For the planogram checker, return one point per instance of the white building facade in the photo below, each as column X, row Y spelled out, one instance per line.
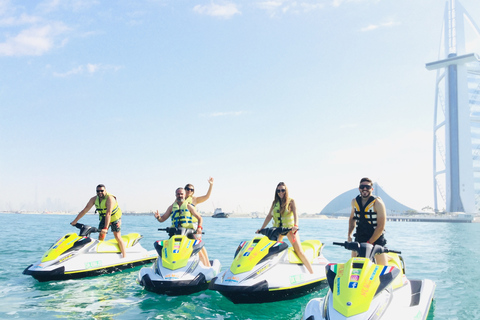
column 456, row 158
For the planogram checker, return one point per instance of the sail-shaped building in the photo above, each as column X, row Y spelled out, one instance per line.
column 456, row 157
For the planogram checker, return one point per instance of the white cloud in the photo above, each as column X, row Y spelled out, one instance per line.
column 376, row 26
column 215, row 10
column 17, row 21
column 33, row 41
column 274, row 7
column 89, row 69
column 74, row 5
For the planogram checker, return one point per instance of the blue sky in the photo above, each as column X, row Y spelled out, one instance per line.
column 144, row 96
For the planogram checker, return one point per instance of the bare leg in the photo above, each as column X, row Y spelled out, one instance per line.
column 204, row 257
column 121, row 244
column 381, row 259
column 295, row 241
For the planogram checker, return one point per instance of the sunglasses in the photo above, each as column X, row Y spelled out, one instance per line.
column 98, row 191
column 363, row 186
column 281, row 190
column 189, row 189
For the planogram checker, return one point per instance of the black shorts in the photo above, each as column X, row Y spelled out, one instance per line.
column 380, row 241
column 116, row 225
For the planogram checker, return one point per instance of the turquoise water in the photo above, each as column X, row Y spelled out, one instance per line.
column 446, row 253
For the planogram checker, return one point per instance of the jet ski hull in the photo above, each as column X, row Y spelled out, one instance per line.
column 271, row 280
column 411, row 301
column 261, row 293
column 192, row 278
column 59, row 273
column 74, row 256
column 361, row 289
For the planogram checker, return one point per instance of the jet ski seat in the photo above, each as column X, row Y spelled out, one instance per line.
column 112, row 245
column 311, row 248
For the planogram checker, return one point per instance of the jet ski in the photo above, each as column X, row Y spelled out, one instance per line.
column 178, row 269
column 361, row 289
column 267, row 270
column 76, row 256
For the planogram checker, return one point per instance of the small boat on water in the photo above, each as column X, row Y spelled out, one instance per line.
column 218, row 213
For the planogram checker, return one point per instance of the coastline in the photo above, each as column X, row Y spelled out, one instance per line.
column 424, row 218
column 204, row 214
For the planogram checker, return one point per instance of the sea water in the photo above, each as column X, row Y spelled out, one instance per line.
column 447, row 253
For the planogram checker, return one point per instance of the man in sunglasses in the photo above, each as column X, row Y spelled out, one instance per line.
column 109, row 213
column 368, row 216
column 182, row 213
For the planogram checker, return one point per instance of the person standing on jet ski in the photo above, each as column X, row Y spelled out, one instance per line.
column 191, row 199
column 182, row 213
column 284, row 214
column 109, row 213
column 369, row 216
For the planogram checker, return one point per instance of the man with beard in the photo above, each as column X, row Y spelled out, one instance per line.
column 368, row 216
column 109, row 213
column 182, row 214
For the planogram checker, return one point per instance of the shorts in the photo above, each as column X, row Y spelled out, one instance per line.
column 116, row 225
column 380, row 241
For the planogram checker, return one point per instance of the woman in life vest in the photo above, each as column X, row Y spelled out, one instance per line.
column 190, row 190
column 284, row 214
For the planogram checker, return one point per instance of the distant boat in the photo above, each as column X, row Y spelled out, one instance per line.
column 218, row 213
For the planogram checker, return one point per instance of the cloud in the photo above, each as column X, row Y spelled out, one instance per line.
column 338, row 3
column 33, row 41
column 88, row 69
column 225, row 11
column 376, row 26
column 18, row 21
column 275, row 7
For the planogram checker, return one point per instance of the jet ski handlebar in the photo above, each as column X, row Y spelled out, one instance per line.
column 85, row 230
column 365, row 249
column 172, row 231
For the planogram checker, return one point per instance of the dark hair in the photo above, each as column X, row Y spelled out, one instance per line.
column 367, row 180
column 189, row 185
column 101, row 186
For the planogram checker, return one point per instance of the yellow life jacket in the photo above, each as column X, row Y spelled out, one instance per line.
column 181, row 217
column 285, row 220
column 101, row 206
column 189, row 200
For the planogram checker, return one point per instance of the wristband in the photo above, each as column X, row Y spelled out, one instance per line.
column 200, row 227
column 369, row 242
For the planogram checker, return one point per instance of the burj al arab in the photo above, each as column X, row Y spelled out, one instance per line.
column 456, row 139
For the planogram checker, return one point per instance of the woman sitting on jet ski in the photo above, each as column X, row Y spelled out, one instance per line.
column 284, row 214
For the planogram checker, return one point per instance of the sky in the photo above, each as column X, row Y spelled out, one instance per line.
column 146, row 96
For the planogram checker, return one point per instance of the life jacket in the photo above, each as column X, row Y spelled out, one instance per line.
column 181, row 217
column 101, row 208
column 285, row 220
column 189, row 201
column 365, row 216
